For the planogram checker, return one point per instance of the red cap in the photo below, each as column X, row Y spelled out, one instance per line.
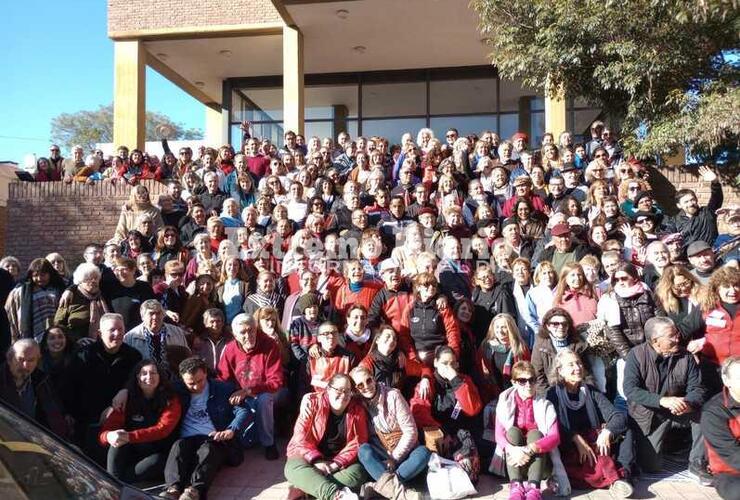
column 560, row 230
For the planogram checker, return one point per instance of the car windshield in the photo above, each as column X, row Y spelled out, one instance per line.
column 34, row 464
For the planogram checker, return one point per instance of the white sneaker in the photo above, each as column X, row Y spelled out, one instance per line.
column 346, row 494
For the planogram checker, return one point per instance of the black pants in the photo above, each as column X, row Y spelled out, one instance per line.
column 133, row 463
column 728, row 487
column 195, row 461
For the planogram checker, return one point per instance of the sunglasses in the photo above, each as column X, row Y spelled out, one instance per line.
column 524, row 381
column 558, row 323
column 365, row 383
column 621, row 279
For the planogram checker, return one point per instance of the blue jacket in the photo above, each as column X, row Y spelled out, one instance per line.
column 223, row 414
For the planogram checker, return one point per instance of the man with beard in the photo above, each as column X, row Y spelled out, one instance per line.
column 694, row 222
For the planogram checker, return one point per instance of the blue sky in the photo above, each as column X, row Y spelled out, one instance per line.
column 58, row 59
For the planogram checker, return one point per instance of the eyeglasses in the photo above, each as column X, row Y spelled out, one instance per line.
column 54, row 150
column 557, row 324
column 170, row 235
column 634, row 188
column 365, row 383
column 450, row 136
column 327, row 333
column 341, row 392
column 600, row 156
column 524, row 381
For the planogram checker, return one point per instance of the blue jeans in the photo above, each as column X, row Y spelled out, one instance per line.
column 262, row 428
column 373, row 457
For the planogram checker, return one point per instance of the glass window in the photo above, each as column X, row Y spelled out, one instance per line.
column 257, row 104
column 392, row 129
column 462, row 96
column 511, row 92
column 394, row 99
column 465, row 125
column 509, row 125
column 326, row 101
column 537, row 128
column 272, row 131
column 583, row 120
column 319, row 129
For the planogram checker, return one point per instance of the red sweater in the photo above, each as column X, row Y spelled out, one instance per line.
column 466, row 395
column 259, row 370
column 342, row 297
column 722, row 335
column 311, row 425
column 167, row 423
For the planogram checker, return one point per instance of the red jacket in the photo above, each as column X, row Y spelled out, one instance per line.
column 342, row 297
column 324, row 367
column 167, row 423
column 466, row 395
column 311, row 424
column 259, row 370
column 722, row 335
column 538, row 204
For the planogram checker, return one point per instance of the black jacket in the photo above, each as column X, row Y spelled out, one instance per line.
column 580, row 252
column 543, row 355
column 615, row 421
column 94, row 378
column 489, row 304
column 702, row 226
column 633, row 313
column 644, row 386
column 48, row 407
column 426, row 326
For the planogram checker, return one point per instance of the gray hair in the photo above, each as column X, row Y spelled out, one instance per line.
column 85, row 271
column 151, row 305
column 654, row 325
column 727, row 365
column 111, row 317
column 242, row 319
column 21, row 345
column 200, row 236
column 209, row 175
column 557, row 364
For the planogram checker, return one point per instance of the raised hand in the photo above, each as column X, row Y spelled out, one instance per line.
column 707, row 174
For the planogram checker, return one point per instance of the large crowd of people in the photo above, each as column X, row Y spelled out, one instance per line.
column 529, row 313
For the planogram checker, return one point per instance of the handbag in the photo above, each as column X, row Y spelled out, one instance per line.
column 446, row 480
column 594, row 334
column 433, row 437
column 389, row 440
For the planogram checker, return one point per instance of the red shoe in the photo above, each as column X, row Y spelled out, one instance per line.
column 516, row 491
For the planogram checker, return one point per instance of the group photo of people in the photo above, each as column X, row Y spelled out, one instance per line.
column 377, row 315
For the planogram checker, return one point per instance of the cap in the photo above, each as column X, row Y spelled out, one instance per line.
column 522, row 180
column 560, row 230
column 672, row 238
column 575, row 221
column 568, row 167
column 306, row 300
column 387, row 265
column 509, row 222
column 428, row 210
column 641, row 195
column 697, row 247
column 520, row 135
column 487, row 222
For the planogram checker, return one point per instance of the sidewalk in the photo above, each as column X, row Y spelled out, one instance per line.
column 259, row 479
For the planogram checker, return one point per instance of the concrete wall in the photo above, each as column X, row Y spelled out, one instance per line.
column 135, row 15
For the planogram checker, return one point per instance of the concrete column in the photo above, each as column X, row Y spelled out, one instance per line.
column 129, row 94
column 293, row 113
column 217, row 125
column 555, row 114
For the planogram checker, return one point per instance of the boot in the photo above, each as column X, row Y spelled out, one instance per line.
column 384, row 486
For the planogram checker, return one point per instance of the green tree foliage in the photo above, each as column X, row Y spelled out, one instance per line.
column 667, row 70
column 90, row 127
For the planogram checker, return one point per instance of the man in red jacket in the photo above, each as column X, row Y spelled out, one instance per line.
column 253, row 362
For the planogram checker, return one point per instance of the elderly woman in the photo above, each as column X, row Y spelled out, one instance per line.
column 81, row 305
column 527, row 437
column 13, row 266
column 413, row 245
column 596, row 444
column 60, row 266
column 392, row 456
column 556, row 334
column 154, row 339
column 32, row 304
column 322, row 454
column 448, row 403
column 203, row 253
column 137, row 204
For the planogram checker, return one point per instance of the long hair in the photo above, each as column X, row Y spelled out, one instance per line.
column 562, row 287
column 137, row 402
column 724, row 276
column 664, row 291
column 516, row 343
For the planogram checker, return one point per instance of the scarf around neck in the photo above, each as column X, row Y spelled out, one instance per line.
column 559, row 344
column 565, row 404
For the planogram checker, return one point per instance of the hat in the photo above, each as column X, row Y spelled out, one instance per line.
column 560, row 230
column 520, row 135
column 672, row 238
column 487, row 222
column 521, row 180
column 508, row 222
column 387, row 265
column 428, row 210
column 575, row 221
column 697, row 247
column 641, row 195
column 306, row 300
column 640, row 216
column 568, row 167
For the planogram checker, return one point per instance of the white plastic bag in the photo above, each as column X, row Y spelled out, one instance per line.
column 446, row 480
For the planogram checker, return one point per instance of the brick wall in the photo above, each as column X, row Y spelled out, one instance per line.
column 133, row 15
column 49, row 217
column 665, row 181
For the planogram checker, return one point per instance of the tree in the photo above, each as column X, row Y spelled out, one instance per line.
column 90, row 127
column 666, row 70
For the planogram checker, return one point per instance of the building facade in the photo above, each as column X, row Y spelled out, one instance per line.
column 370, row 67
